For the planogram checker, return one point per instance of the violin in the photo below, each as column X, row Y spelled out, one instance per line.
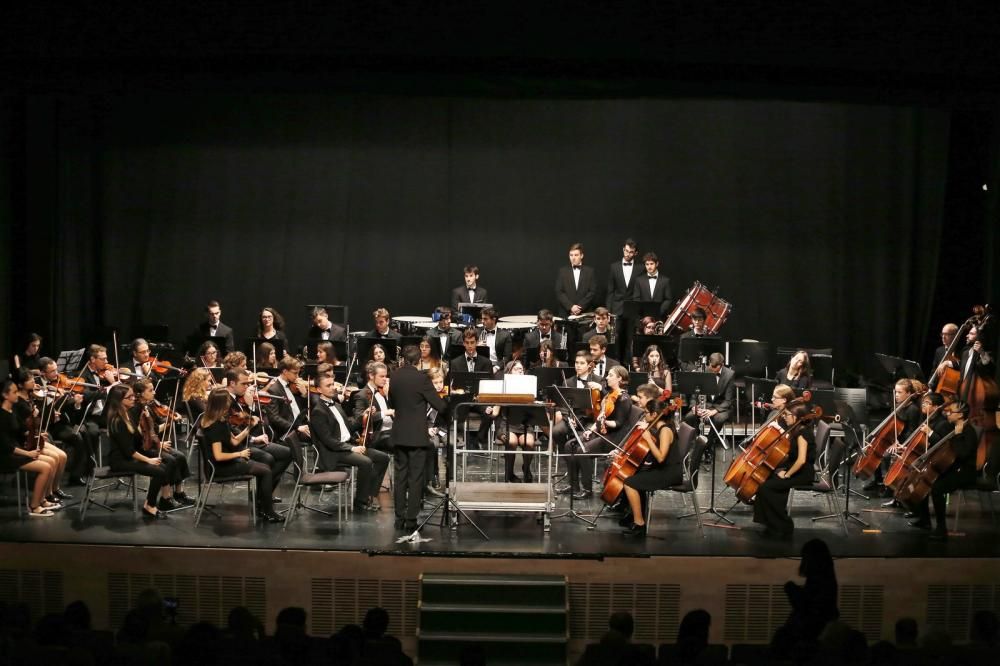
column 164, row 412
column 607, row 409
column 239, row 418
column 77, row 385
column 163, row 367
column 147, row 428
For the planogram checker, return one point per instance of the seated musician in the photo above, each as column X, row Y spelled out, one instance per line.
column 377, row 354
column 276, row 456
column 197, row 386
column 336, row 438
column 497, row 340
column 287, row 416
column 446, row 336
column 75, row 452
column 271, row 326
column 141, row 362
column 770, row 508
column 797, row 373
column 960, row 474
column 29, row 359
column 722, row 397
column 666, row 469
column 374, row 394
column 605, row 432
column 598, row 356
column 88, row 416
column 471, row 361
column 267, row 356
column 324, row 329
column 470, row 292
column 698, row 327
column 208, row 355
column 382, row 330
column 437, row 433
column 234, row 360
column 514, row 429
column 213, row 327
column 14, row 455
column 327, row 353
column 543, row 331
column 562, row 435
column 910, row 417
column 231, row 452
column 547, row 356
column 172, row 493
column 602, row 325
column 429, row 359
column 647, row 325
column 655, row 366
column 127, row 453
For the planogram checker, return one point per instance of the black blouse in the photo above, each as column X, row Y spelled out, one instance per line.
column 123, row 442
column 219, row 432
column 11, row 433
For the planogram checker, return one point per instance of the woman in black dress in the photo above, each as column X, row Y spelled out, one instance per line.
column 655, row 365
column 770, row 507
column 271, row 326
column 514, row 429
column 13, row 455
column 667, row 464
column 798, row 372
column 228, row 454
column 127, row 453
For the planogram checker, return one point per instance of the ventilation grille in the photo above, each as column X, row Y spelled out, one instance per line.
column 951, row 607
column 656, row 609
column 42, row 591
column 753, row 612
column 861, row 607
column 340, row 601
column 208, row 598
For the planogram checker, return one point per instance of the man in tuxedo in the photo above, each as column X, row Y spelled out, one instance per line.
column 948, row 333
column 324, row 329
column 287, row 415
column 471, row 361
column 448, row 337
column 653, row 286
column 543, row 331
column 69, row 411
column 498, row 341
column 621, row 288
column 599, row 360
column 470, row 292
column 276, row 456
column 335, row 435
column 382, row 330
column 602, row 324
column 562, row 436
column 213, row 327
column 382, row 420
column 576, row 286
column 721, row 396
column 413, row 394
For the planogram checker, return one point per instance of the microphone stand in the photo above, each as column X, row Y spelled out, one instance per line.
column 572, row 424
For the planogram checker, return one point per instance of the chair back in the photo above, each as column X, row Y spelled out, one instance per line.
column 822, row 434
column 692, row 462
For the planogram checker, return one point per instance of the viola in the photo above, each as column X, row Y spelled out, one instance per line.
column 882, row 438
column 163, row 367
column 164, row 412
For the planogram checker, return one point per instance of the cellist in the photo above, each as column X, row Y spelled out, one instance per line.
column 910, row 418
column 961, row 474
column 770, row 508
column 667, row 468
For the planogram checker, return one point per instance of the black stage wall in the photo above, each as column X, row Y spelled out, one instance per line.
column 821, row 221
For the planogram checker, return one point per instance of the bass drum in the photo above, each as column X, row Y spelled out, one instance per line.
column 698, row 296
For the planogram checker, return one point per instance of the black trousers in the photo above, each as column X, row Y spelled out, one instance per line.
column 581, row 470
column 718, row 421
column 78, row 449
column 276, row 456
column 262, row 475
column 408, row 490
column 159, row 475
column 370, row 467
column 179, row 469
column 947, row 483
column 771, row 505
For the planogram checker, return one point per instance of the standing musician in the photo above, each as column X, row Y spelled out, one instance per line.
column 60, row 429
column 287, row 416
column 948, row 333
column 543, row 332
column 667, row 466
column 797, row 373
column 654, row 365
column 716, row 409
column 429, row 359
column 446, row 336
column 576, row 286
column 412, row 393
column 324, row 329
column 267, row 356
column 14, row 455
column 375, row 394
column 208, row 355
column 514, row 430
column 601, row 361
column 229, row 455
column 382, row 330
column 562, row 437
column 197, row 386
column 213, row 327
column 910, row 416
column 271, row 326
column 470, row 292
column 497, row 340
column 172, row 493
column 621, row 288
column 127, row 453
column 262, row 450
column 770, row 508
column 961, row 473
column 29, row 359
column 602, row 325
column 335, row 436
column 653, row 286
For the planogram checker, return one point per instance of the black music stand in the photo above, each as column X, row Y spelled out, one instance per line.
column 467, row 381
column 748, row 358
column 899, row 368
column 703, row 383
column 692, row 349
column 69, row 362
column 850, row 419
column 548, row 377
column 637, row 310
column 574, row 400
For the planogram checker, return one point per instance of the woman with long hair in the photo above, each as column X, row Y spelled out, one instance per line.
column 127, row 453
column 14, row 455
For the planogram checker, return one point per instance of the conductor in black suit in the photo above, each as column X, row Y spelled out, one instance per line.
column 335, row 435
column 213, row 327
column 721, row 398
column 470, row 292
column 653, row 286
column 412, row 393
column 576, row 285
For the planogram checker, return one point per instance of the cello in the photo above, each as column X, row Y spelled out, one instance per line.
column 883, row 438
column 914, row 445
column 927, row 468
column 634, row 449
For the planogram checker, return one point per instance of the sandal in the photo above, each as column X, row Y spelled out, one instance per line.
column 40, row 512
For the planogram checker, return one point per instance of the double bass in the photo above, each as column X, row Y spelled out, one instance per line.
column 981, row 393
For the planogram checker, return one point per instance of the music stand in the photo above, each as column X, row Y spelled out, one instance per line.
column 693, row 348
column 468, row 381
column 899, row 368
column 574, row 400
column 474, row 310
column 667, row 345
column 365, row 346
column 703, row 383
column 845, row 402
column 748, row 358
column 69, row 362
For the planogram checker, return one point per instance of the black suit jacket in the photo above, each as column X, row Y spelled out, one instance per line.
column 412, row 392
column 337, row 332
column 983, row 366
column 533, row 339
column 461, row 295
column 326, row 434
column 223, row 331
column 726, row 391
column 618, row 291
column 454, row 336
column 460, row 364
column 504, row 344
column 390, row 335
column 279, row 413
column 660, row 294
column 608, row 364
column 569, row 295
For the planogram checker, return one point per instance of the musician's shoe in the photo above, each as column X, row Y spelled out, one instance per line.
column 432, row 491
column 373, row 505
column 528, row 476
column 583, row 494
column 409, row 525
column 938, row 534
column 399, row 523
column 626, row 520
column 276, row 500
column 922, row 523
column 183, row 498
column 892, row 504
column 512, row 478
column 149, row 515
column 271, row 518
column 909, row 515
column 888, row 492
column 564, row 490
column 166, row 504
column 635, row 531
column 62, row 494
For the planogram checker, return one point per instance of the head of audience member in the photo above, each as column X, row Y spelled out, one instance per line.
column 375, row 624
column 906, row 632
column 622, row 622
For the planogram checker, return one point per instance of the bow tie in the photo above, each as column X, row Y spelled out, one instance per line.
column 626, row 263
column 470, row 359
column 328, row 403
column 576, row 268
column 653, row 276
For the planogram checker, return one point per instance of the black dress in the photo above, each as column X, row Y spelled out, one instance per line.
column 11, row 436
column 770, row 505
column 800, row 382
column 219, row 432
column 659, row 475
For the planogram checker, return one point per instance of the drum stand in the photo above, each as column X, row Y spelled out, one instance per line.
column 720, row 515
column 847, row 514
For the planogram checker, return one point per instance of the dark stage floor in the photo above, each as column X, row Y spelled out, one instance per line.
column 521, row 535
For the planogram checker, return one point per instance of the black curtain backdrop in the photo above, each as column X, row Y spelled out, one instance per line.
column 820, row 221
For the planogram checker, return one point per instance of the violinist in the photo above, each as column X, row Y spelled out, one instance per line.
column 562, row 436
column 141, row 363
column 59, row 426
column 174, row 462
column 770, row 508
column 99, row 377
column 382, row 331
column 960, row 474
column 208, row 355
column 655, row 366
column 231, row 452
column 271, row 326
column 429, row 360
column 29, row 359
column 14, row 455
column 797, row 373
column 288, row 415
column 234, row 360
column 276, row 456
column 267, row 356
column 514, row 430
column 598, row 356
column 667, row 465
column 375, row 394
column 614, row 408
column 336, row 438
column 437, row 433
column 910, row 417
column 127, row 453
